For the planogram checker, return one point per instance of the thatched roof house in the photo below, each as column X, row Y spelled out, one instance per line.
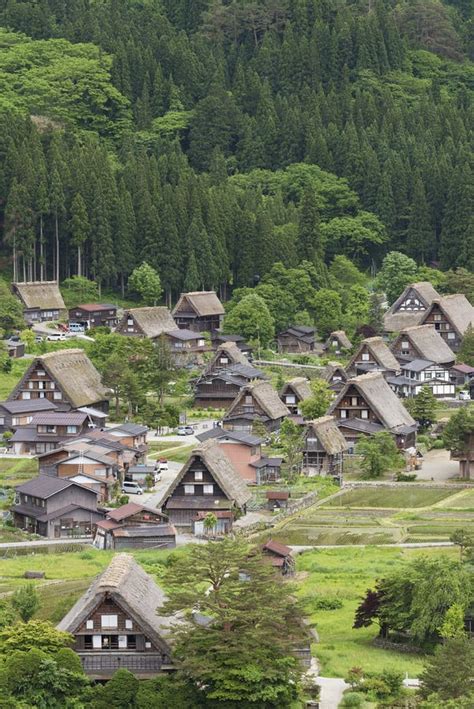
column 208, row 482
column 294, row 392
column 136, row 636
column 201, row 311
column 373, row 353
column 42, row 300
column 337, row 341
column 146, row 322
column 422, row 342
column 410, row 307
column 325, row 429
column 451, row 316
column 226, row 355
column 257, row 401
column 324, row 447
column 335, row 375
column 66, row 377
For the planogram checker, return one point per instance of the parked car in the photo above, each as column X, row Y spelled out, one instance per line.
column 162, row 464
column 157, row 476
column 39, row 338
column 76, row 327
column 185, row 430
column 131, row 488
column 464, row 396
column 56, row 336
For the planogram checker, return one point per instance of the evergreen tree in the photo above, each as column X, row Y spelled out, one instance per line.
column 310, row 245
column 79, row 227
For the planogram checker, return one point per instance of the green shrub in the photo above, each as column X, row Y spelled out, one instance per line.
column 405, row 477
column 327, row 604
column 351, row 699
column 438, row 444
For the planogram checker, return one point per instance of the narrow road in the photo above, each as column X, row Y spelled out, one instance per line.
column 332, row 689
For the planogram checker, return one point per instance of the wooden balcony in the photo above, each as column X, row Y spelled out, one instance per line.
column 102, row 665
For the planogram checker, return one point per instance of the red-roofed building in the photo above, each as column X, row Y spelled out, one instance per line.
column 135, row 526
column 94, row 315
column 461, row 374
column 280, row 557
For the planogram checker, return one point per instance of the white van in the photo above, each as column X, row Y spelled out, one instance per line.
column 131, row 488
column 76, row 327
column 56, row 336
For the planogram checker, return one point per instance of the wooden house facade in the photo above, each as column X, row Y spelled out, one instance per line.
column 324, row 448
column 94, row 315
column 367, row 405
column 201, row 311
column 67, row 378
column 208, row 482
column 422, row 342
column 450, row 316
column 55, row 508
column 218, row 389
column 410, row 307
column 117, row 624
column 373, row 354
column 296, row 338
column 46, row 431
column 256, row 403
column 21, row 412
column 335, row 375
column 42, row 301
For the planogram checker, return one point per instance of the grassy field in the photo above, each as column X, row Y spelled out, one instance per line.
column 346, row 574
column 14, row 471
column 381, row 516
column 9, row 380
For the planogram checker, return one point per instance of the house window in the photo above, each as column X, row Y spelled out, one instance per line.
column 130, row 321
column 89, row 624
column 208, row 489
column 50, row 428
column 343, row 413
column 437, row 318
column 26, row 395
column 109, row 621
column 97, row 642
column 290, row 399
column 451, row 335
column 248, row 399
column 198, row 474
column 41, row 395
column 57, row 395
column 52, row 385
column 30, row 385
column 354, row 401
column 41, row 373
column 189, row 489
column 147, row 645
column 122, row 641
column 405, row 345
column 224, row 360
column 128, row 624
column 364, row 414
column 72, row 429
column 365, row 356
column 40, row 385
column 2, row 420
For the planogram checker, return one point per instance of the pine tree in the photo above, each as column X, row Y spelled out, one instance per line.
column 420, row 232
column 79, row 227
column 310, row 245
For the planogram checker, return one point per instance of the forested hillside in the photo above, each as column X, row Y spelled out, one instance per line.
column 214, row 138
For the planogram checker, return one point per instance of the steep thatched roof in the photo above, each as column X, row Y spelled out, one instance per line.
column 382, row 400
column 300, row 386
column 221, row 469
column 126, row 583
column 152, row 321
column 457, row 310
column 266, row 396
column 395, row 321
column 428, row 342
column 203, row 303
column 234, row 354
column 331, row 368
column 44, row 295
column 326, row 431
column 340, row 335
column 75, row 375
column 379, row 351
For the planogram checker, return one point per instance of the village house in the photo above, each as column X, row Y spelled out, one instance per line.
column 368, row 405
column 94, row 315
column 47, row 430
column 296, row 339
column 422, row 342
column 460, row 374
column 20, row 413
column 208, row 482
column 15, row 348
column 55, row 508
column 146, row 322
column 141, row 474
column 335, row 375
column 324, row 447
column 42, row 301
column 450, row 316
column 410, row 307
column 280, row 557
column 86, row 467
column 225, row 357
column 201, row 311
column 67, row 378
column 373, row 354
column 218, row 390
column 256, row 403
column 102, row 442
column 218, row 338
column 419, row 373
column 186, row 347
column 245, row 452
column 117, row 623
column 277, row 499
column 294, row 392
column 134, row 526
column 133, row 435
column 338, row 342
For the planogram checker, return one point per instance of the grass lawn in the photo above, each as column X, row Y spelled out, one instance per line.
column 403, row 497
column 14, row 471
column 9, row 380
column 159, row 446
column 346, row 574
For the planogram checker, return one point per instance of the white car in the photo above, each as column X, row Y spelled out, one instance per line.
column 464, row 396
column 56, row 336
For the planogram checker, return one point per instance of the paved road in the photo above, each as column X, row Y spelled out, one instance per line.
column 438, row 466
column 332, row 689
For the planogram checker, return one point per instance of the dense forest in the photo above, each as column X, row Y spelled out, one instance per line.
column 213, row 138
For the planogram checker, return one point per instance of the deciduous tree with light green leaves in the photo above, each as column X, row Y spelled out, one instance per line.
column 319, row 401
column 396, row 273
column 379, row 454
column 145, row 282
column 251, row 318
